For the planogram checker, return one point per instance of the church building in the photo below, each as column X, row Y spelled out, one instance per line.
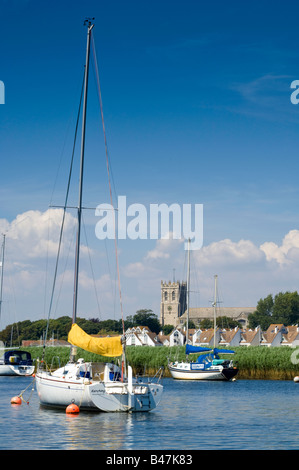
column 174, row 303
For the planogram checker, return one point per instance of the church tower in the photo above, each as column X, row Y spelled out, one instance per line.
column 173, row 302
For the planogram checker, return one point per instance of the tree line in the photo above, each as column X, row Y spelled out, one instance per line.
column 59, row 328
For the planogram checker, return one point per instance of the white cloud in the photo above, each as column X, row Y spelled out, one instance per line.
column 227, row 252
column 285, row 254
column 135, row 270
column 35, row 234
column 164, row 247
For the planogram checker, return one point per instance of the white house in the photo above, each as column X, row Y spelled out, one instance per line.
column 273, row 335
column 251, row 337
column 291, row 337
column 141, row 336
column 205, row 338
column 177, row 338
column 230, row 338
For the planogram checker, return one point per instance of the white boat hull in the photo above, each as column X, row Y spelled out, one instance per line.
column 7, row 369
column 184, row 371
column 61, row 389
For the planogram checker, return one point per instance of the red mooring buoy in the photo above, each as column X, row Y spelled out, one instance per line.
column 72, row 409
column 16, row 401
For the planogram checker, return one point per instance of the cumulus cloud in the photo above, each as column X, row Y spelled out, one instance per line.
column 285, row 254
column 228, row 252
column 150, row 266
column 164, row 247
column 35, row 234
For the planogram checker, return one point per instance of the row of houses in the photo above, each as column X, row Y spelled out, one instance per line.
column 276, row 335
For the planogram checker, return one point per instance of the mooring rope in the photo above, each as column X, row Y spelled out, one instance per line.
column 23, row 391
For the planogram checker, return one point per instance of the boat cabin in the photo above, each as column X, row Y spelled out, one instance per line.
column 16, row 357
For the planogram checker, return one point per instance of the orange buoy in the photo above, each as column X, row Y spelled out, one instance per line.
column 72, row 409
column 16, row 401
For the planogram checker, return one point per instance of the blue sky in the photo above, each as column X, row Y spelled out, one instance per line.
column 197, row 110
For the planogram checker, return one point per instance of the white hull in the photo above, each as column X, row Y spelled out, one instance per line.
column 66, row 386
column 196, row 375
column 184, row 371
column 7, row 369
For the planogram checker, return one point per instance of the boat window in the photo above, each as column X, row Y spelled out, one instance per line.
column 17, row 356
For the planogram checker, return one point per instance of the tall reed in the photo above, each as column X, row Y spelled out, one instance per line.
column 256, row 362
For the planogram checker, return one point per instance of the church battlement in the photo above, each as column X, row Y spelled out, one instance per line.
column 170, row 284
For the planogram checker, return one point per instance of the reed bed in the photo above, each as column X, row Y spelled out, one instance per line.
column 253, row 362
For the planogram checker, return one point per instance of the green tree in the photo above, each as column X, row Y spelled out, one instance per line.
column 110, row 326
column 205, row 324
column 286, row 308
column 167, row 329
column 147, row 317
column 263, row 314
column 283, row 308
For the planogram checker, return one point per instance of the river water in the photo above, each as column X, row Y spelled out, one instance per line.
column 240, row 415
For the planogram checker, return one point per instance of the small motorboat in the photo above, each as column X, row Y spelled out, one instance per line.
column 16, row 362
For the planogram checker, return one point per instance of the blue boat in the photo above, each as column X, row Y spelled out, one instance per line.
column 208, row 366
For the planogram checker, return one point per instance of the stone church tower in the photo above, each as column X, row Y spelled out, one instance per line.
column 173, row 302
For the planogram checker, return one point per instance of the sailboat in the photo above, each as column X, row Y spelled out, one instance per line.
column 94, row 386
column 208, row 366
column 13, row 361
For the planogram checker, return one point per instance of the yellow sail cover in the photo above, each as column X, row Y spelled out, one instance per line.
column 110, row 347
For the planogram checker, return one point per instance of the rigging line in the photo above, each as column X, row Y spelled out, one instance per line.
column 109, row 180
column 91, row 267
column 63, row 218
column 97, row 79
column 65, row 268
column 72, row 115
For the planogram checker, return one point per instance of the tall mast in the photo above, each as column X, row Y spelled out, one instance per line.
column 188, row 292
column 2, row 269
column 90, row 26
column 214, row 305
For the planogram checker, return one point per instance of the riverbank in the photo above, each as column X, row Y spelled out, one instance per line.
column 253, row 362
